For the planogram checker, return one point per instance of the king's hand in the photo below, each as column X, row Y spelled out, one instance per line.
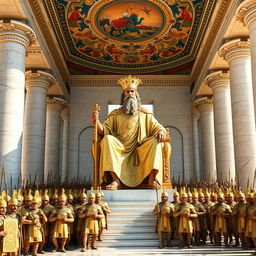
column 95, row 114
column 161, row 136
column 95, row 118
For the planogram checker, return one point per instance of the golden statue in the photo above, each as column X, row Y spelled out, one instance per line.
column 134, row 147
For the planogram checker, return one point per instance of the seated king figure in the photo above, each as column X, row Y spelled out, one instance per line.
column 131, row 145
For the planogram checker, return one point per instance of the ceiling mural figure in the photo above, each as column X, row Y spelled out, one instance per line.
column 130, row 36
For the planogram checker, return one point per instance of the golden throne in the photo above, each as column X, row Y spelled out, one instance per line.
column 166, row 150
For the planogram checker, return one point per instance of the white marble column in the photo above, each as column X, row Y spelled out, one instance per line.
column 32, row 162
column 205, row 107
column 225, row 161
column 65, row 133
column 53, row 138
column 237, row 54
column 195, row 117
column 247, row 14
column 15, row 37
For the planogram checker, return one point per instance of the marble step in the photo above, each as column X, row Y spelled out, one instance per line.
column 131, row 236
column 126, row 224
column 128, row 243
column 133, row 230
column 145, row 203
column 130, row 213
column 132, row 219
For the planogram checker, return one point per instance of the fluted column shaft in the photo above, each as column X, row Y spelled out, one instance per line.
column 225, row 160
column 37, row 84
column 237, row 54
column 247, row 14
column 65, row 132
column 196, row 153
column 53, row 138
column 205, row 107
column 14, row 38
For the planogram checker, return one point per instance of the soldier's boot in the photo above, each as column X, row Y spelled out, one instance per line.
column 161, row 241
column 226, row 239
column 35, row 249
column 189, row 240
column 100, row 234
column 55, row 244
column 63, row 243
column 181, row 238
column 217, row 238
column 204, row 236
column 197, row 238
column 169, row 238
column 211, row 235
column 93, row 244
column 237, row 240
column 85, row 238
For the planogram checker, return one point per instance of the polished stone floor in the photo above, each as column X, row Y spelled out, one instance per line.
column 121, row 251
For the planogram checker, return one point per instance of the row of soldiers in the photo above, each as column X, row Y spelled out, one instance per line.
column 42, row 218
column 195, row 216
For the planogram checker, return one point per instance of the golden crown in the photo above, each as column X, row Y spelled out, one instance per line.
column 129, row 82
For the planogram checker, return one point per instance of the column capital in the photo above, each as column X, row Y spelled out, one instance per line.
column 16, row 31
column 55, row 104
column 246, row 12
column 204, row 104
column 218, row 79
column 39, row 78
column 65, row 113
column 234, row 49
column 194, row 113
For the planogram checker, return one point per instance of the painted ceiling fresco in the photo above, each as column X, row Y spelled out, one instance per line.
column 130, row 36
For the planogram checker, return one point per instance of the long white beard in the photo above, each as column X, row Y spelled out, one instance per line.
column 130, row 105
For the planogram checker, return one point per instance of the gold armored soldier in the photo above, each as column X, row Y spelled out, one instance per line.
column 13, row 214
column 186, row 212
column 208, row 221
column 61, row 217
column 90, row 213
column 164, row 211
column 250, row 231
column 197, row 222
column 77, row 209
column 47, row 209
column 240, row 212
column 105, row 210
column 221, row 212
column 33, row 219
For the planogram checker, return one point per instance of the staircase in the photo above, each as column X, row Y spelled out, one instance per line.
column 131, row 224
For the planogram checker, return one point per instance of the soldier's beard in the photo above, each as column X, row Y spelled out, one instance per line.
column 130, row 105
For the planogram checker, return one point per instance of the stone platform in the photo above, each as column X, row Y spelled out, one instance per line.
column 133, row 195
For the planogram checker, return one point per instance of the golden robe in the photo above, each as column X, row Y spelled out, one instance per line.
column 129, row 147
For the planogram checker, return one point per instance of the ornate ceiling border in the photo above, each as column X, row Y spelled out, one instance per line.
column 147, row 80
